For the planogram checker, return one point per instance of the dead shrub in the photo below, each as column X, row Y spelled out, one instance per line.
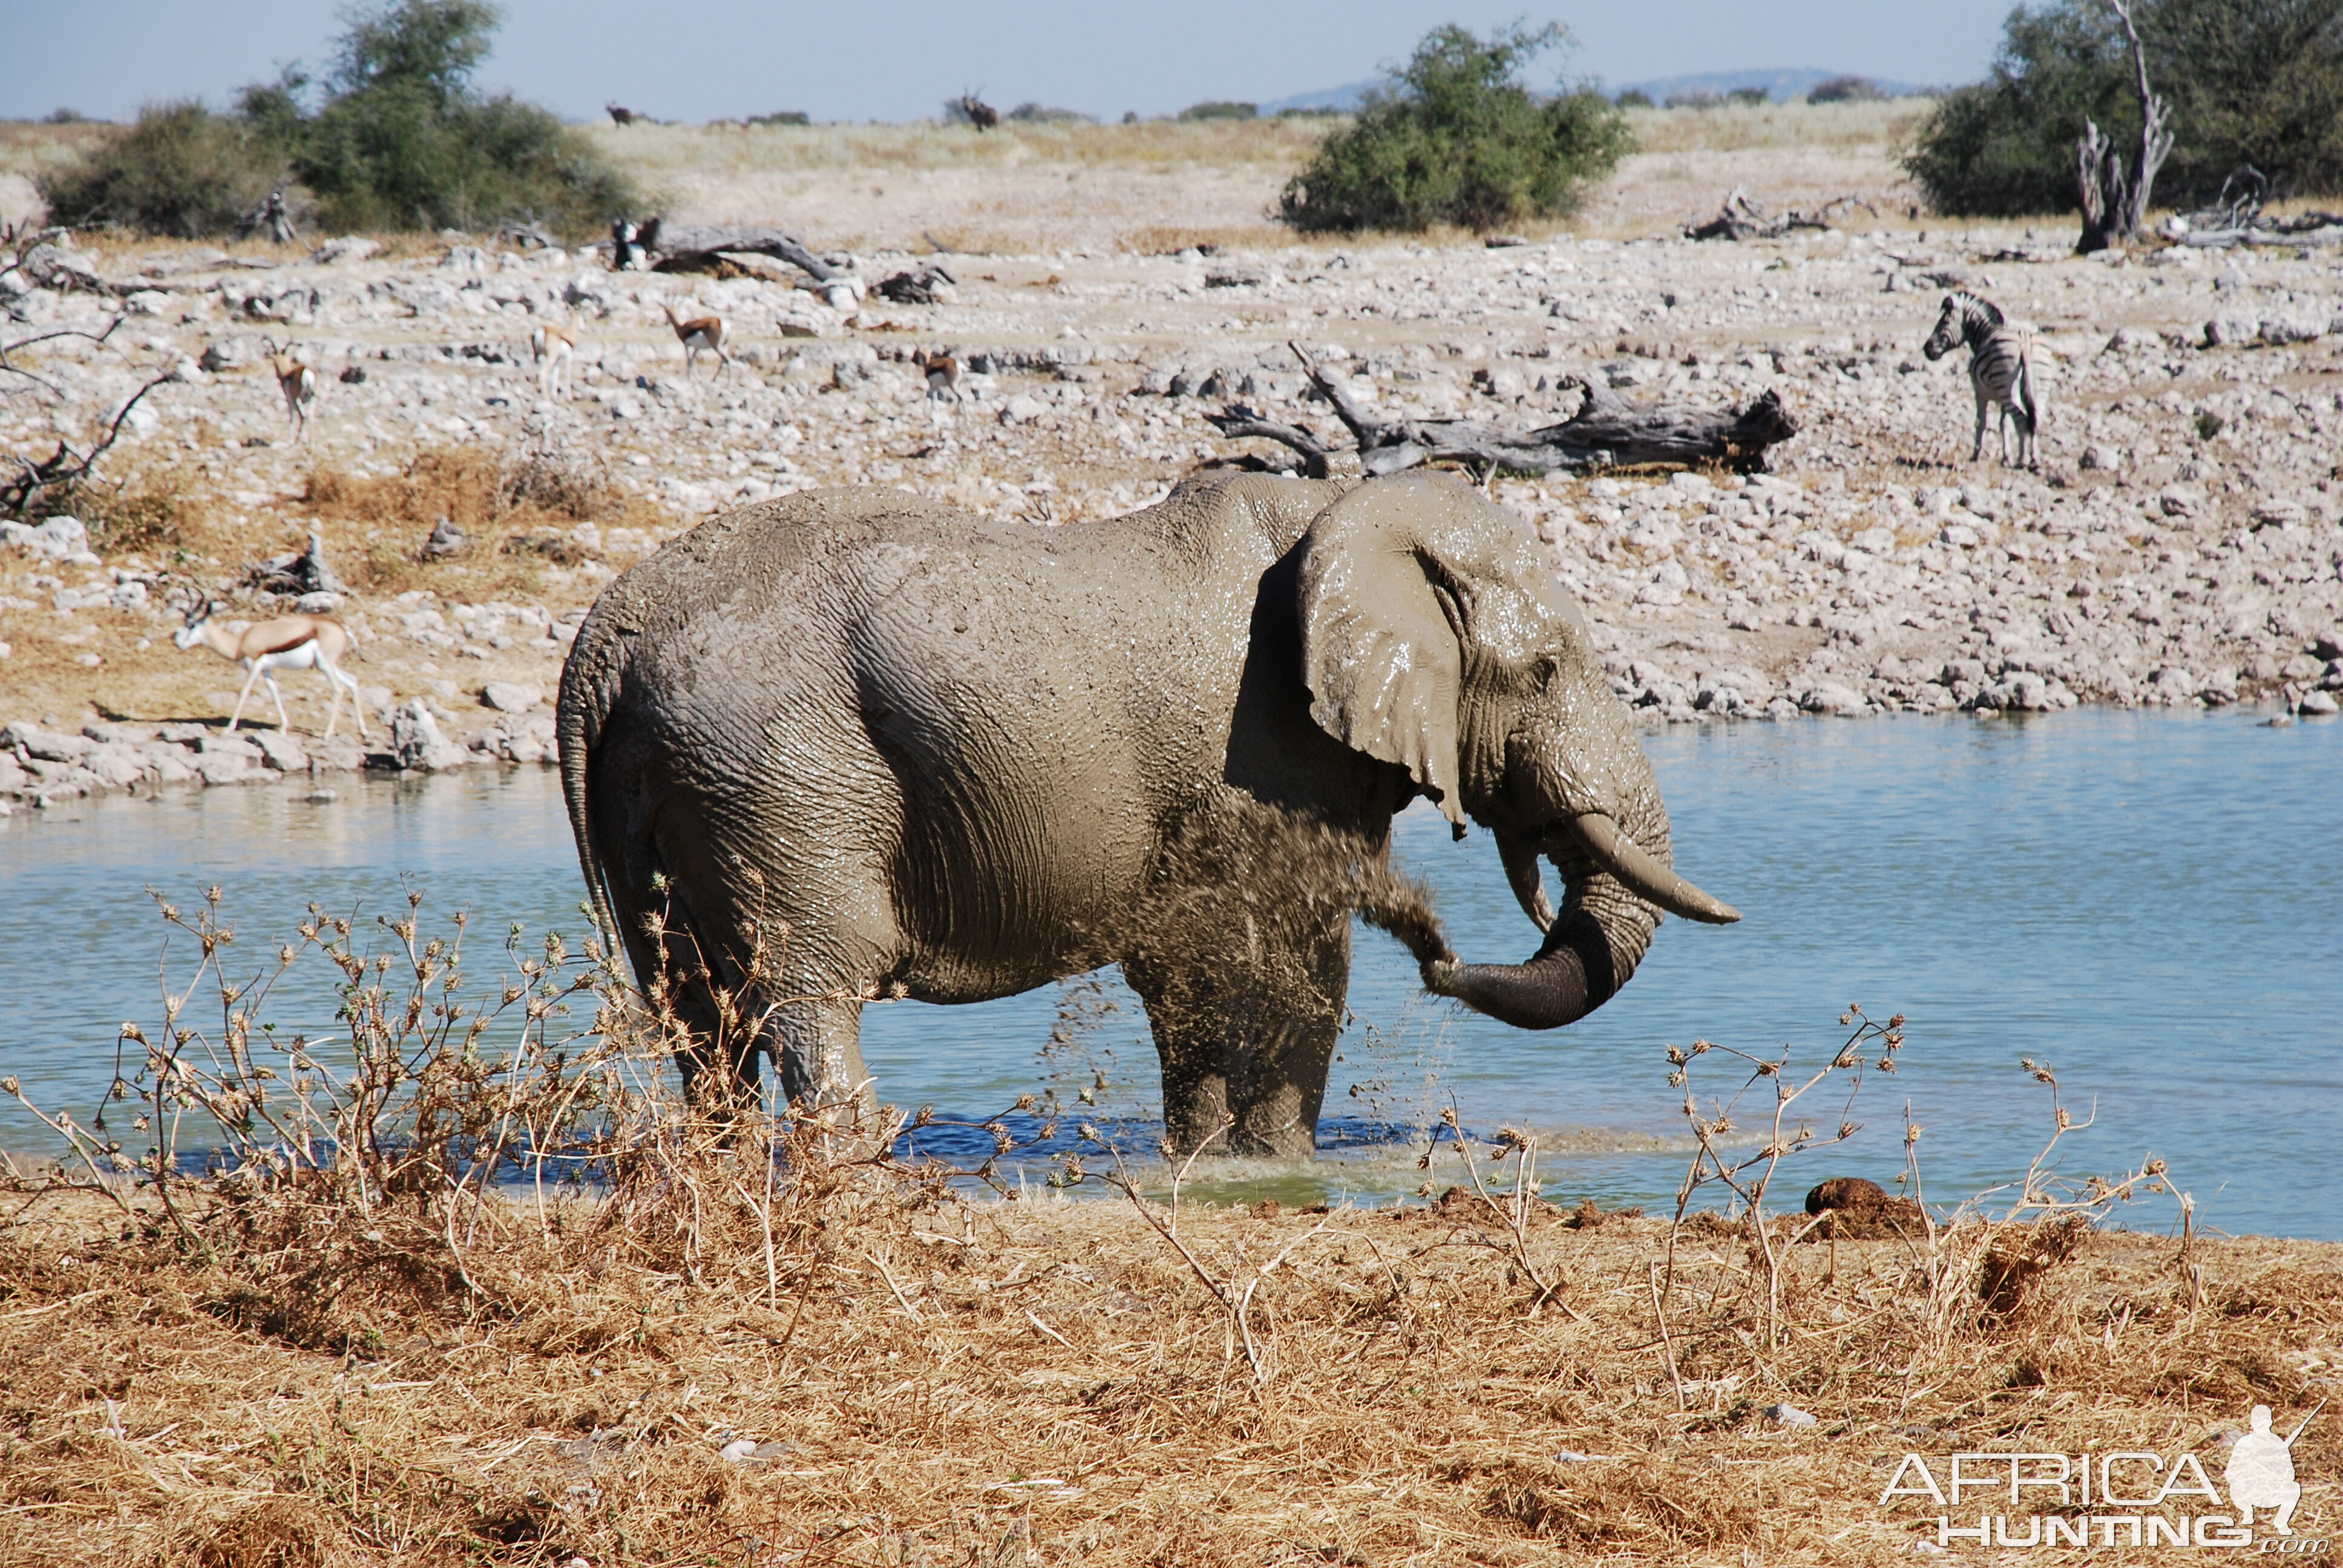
column 2017, row 1258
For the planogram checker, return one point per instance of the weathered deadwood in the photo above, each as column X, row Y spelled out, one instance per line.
column 917, row 286
column 1744, row 218
column 64, row 468
column 2114, row 206
column 1607, row 431
column 695, row 249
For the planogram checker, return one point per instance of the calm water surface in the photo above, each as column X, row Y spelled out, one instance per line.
column 2150, row 903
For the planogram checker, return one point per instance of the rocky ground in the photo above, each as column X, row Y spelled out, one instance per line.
column 2180, row 543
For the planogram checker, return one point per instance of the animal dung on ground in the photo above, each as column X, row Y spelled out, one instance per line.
column 1853, row 1208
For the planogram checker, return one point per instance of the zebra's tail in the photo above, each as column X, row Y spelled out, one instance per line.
column 2026, row 395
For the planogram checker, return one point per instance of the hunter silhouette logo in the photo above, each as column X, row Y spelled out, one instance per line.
column 2261, row 1471
column 2133, row 1498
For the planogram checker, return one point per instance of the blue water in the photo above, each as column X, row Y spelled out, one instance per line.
column 2150, row 903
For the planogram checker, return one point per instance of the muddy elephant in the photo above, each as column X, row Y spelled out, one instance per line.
column 854, row 745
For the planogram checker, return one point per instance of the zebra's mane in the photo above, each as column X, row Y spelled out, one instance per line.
column 1972, row 308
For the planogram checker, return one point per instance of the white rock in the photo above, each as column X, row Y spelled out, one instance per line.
column 2229, row 329
column 2317, row 703
column 1023, row 409
column 1788, row 1415
column 348, row 247
column 416, row 742
column 2293, row 327
column 512, row 696
column 1829, row 696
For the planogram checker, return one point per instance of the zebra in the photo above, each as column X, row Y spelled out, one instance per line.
column 2001, row 370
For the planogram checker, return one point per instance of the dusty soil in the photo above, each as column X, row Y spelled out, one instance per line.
column 2179, row 544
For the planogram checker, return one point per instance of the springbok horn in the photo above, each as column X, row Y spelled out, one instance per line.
column 1520, row 858
column 1647, row 878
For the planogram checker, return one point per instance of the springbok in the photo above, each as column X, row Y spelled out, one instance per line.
column 287, row 642
column 300, row 385
column 942, row 372
column 553, row 347
column 697, row 333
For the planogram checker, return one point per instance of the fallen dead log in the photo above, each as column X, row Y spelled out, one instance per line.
column 700, row 249
column 1607, row 431
column 1743, row 217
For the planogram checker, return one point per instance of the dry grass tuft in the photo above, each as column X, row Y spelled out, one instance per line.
column 517, row 505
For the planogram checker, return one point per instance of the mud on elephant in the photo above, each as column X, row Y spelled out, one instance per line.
column 855, row 745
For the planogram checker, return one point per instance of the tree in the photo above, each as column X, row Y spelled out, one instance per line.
column 2115, row 204
column 2257, row 82
column 1455, row 136
column 401, row 140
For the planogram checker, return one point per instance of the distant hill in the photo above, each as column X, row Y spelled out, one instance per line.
column 1345, row 98
column 1781, row 86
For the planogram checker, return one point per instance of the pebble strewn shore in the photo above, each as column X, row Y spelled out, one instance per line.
column 2182, row 542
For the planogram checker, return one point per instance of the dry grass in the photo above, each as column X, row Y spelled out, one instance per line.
column 1885, row 125
column 650, row 153
column 344, row 1350
column 174, row 515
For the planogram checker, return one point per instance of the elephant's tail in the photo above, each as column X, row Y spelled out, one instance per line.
column 589, row 685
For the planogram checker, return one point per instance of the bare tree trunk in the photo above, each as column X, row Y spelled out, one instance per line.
column 2115, row 209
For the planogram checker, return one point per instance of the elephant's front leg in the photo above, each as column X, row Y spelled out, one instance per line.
column 818, row 1045
column 1245, row 1024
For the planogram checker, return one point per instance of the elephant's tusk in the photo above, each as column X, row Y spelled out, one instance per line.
column 1520, row 858
column 1647, row 878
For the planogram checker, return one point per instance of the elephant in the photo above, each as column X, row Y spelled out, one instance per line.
column 853, row 745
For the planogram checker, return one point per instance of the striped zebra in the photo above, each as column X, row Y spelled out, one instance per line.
column 2001, row 370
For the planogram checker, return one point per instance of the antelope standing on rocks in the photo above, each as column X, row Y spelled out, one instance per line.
column 553, row 347
column 942, row 372
column 696, row 333
column 298, row 382
column 287, row 642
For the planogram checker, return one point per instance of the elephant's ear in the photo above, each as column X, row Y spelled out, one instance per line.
column 1380, row 646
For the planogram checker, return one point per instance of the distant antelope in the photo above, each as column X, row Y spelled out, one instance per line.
column 942, row 372
column 696, row 333
column 287, row 642
column 300, row 385
column 618, row 115
column 553, row 347
column 2001, row 370
column 981, row 115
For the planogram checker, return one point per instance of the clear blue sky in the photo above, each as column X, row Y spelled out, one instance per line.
column 705, row 59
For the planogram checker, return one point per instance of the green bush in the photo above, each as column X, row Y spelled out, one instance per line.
column 1845, row 90
column 1219, row 110
column 401, row 141
column 1635, row 98
column 2256, row 82
column 181, row 171
column 1456, row 137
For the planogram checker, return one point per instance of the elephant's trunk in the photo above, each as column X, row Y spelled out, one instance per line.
column 1616, row 880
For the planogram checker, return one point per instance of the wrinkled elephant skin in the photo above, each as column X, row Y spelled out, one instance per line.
column 853, row 745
